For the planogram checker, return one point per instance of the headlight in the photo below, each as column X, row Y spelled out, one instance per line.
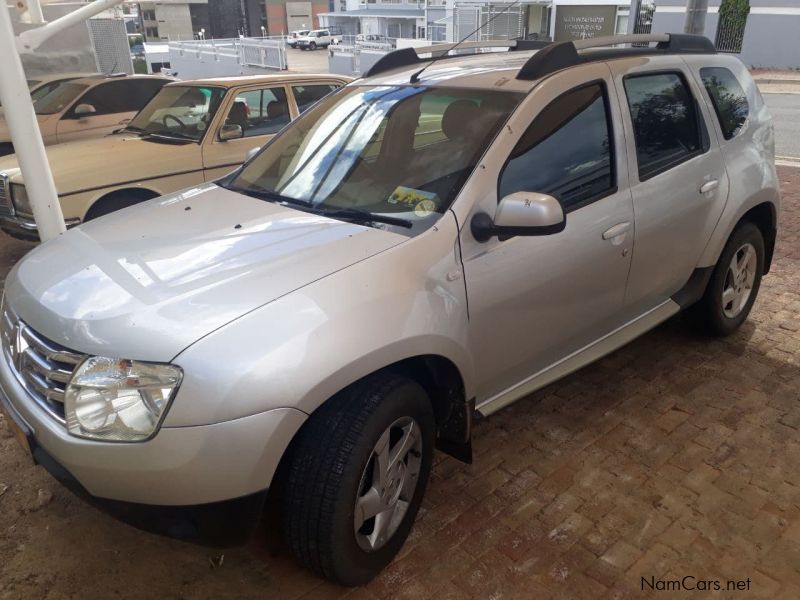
column 19, row 196
column 119, row 400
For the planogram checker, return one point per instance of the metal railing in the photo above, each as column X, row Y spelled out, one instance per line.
column 730, row 31
column 268, row 53
column 265, row 53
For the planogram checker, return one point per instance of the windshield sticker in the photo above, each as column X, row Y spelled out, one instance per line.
column 421, row 202
column 424, row 208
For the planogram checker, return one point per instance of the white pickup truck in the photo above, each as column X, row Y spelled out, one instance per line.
column 317, row 38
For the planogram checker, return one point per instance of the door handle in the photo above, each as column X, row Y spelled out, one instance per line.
column 709, row 186
column 617, row 230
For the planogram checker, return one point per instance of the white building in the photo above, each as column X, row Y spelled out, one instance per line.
column 452, row 20
column 170, row 19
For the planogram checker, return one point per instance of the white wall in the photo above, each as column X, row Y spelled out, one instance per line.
column 174, row 21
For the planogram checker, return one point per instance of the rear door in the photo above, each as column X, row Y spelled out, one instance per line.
column 115, row 102
column 678, row 177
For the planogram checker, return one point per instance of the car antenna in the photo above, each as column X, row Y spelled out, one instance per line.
column 415, row 76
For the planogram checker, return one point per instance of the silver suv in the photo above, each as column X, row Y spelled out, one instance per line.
column 435, row 240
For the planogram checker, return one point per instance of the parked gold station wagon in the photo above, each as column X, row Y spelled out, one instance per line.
column 190, row 132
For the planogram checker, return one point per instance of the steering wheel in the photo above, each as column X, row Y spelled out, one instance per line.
column 174, row 118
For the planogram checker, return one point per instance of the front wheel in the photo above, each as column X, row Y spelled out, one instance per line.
column 356, row 479
column 312, row 46
column 734, row 283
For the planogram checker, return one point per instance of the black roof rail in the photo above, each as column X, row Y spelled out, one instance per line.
column 562, row 55
column 408, row 57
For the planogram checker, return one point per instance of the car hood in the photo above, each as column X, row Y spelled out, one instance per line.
column 110, row 160
column 148, row 281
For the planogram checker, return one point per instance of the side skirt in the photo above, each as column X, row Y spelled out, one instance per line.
column 580, row 358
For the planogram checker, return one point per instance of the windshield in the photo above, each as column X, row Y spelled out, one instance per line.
column 182, row 112
column 59, row 98
column 391, row 152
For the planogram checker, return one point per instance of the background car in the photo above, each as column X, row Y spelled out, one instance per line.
column 318, row 38
column 86, row 107
column 190, row 132
column 40, row 86
column 295, row 35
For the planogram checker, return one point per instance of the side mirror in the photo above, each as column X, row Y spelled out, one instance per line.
column 230, row 132
column 252, row 152
column 520, row 213
column 83, row 110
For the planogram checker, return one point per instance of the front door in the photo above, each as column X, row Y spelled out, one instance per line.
column 260, row 113
column 678, row 177
column 535, row 300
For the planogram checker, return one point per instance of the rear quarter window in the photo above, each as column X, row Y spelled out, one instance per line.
column 728, row 97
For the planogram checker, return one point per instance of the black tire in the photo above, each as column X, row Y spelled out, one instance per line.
column 709, row 312
column 312, row 46
column 111, row 204
column 329, row 457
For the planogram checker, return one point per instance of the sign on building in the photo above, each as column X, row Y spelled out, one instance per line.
column 582, row 22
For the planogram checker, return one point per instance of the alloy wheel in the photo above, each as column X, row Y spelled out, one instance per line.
column 739, row 280
column 388, row 484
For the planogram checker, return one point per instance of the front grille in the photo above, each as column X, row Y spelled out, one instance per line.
column 44, row 368
column 6, row 209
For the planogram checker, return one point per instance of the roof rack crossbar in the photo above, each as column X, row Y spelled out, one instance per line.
column 562, row 55
column 407, row 57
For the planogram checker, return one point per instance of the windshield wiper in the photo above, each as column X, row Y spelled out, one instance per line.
column 347, row 214
column 363, row 216
column 170, row 135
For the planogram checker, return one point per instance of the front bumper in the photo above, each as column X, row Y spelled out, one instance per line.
column 218, row 524
column 25, row 228
column 178, row 467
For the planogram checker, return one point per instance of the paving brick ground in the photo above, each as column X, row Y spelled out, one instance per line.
column 675, row 456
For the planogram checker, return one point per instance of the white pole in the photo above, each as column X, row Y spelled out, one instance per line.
column 25, row 134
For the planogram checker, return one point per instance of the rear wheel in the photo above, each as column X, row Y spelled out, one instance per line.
column 357, row 476
column 115, row 202
column 734, row 283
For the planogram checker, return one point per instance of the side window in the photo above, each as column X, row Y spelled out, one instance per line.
column 102, row 97
column 308, row 95
column 728, row 98
column 665, row 122
column 119, row 96
column 260, row 112
column 143, row 92
column 566, row 152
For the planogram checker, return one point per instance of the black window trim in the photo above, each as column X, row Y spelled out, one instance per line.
column 702, row 126
column 713, row 102
column 612, row 147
